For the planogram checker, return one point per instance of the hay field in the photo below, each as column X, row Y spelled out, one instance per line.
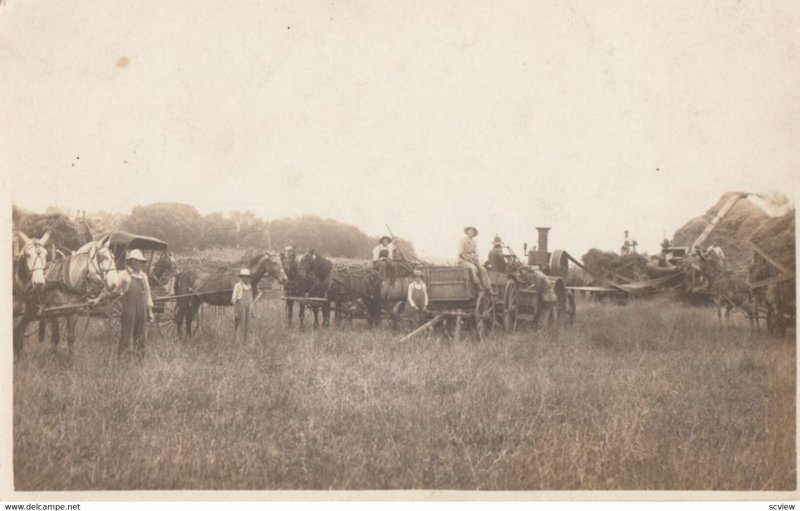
column 646, row 396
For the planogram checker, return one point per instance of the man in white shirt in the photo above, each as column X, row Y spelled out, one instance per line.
column 418, row 298
column 383, row 258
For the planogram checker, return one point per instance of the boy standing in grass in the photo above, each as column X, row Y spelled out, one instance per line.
column 137, row 306
column 242, row 301
column 418, row 299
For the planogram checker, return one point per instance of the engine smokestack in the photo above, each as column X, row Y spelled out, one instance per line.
column 543, row 239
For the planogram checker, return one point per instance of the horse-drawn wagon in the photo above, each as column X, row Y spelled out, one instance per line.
column 160, row 267
column 772, row 285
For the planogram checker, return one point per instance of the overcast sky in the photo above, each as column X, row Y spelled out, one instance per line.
column 589, row 117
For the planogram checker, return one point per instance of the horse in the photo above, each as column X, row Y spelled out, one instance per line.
column 318, row 277
column 70, row 280
column 728, row 290
column 29, row 278
column 214, row 286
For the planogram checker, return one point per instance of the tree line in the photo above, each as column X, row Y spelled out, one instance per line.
column 185, row 229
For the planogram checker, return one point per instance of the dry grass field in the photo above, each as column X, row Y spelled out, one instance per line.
column 645, row 396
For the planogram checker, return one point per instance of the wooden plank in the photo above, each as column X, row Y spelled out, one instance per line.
column 423, row 327
column 772, row 280
column 768, row 259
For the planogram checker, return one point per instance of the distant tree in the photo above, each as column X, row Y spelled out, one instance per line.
column 105, row 221
column 65, row 233
column 178, row 224
column 327, row 236
column 218, row 230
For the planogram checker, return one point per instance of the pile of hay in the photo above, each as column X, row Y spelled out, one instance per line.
column 737, row 228
column 632, row 266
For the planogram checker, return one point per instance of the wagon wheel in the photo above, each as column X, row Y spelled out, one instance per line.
column 484, row 316
column 164, row 325
column 510, row 306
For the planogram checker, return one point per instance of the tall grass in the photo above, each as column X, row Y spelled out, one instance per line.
column 648, row 396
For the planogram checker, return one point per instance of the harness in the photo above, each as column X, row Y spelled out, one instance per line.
column 59, row 271
column 24, row 282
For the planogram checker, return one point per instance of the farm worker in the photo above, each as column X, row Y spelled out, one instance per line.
column 717, row 256
column 383, row 256
column 418, row 298
column 496, row 259
column 629, row 245
column 468, row 258
column 137, row 305
column 547, row 297
column 242, row 301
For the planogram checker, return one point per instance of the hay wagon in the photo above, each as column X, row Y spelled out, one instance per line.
column 773, row 288
column 455, row 302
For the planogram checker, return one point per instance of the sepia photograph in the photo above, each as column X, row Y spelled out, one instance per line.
column 463, row 250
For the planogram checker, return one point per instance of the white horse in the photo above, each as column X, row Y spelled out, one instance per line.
column 71, row 280
column 30, row 263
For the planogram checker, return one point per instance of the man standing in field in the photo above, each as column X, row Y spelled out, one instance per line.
column 137, row 306
column 547, row 297
column 468, row 258
column 242, row 301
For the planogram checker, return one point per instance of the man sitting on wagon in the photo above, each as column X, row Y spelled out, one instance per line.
column 383, row 258
column 496, row 260
column 468, row 258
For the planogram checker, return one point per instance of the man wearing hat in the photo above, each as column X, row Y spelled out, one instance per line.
column 418, row 298
column 383, row 258
column 242, row 301
column 547, row 297
column 137, row 305
column 468, row 258
column 496, row 259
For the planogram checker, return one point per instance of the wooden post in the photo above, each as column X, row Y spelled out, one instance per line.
column 422, row 328
column 457, row 329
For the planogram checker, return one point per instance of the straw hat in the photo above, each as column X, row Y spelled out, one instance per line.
column 136, row 255
column 244, row 272
column 467, row 228
column 418, row 273
column 387, row 238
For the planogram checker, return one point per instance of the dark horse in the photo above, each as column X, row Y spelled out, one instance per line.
column 348, row 288
column 214, row 286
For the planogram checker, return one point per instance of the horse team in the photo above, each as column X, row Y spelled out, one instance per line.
column 310, row 279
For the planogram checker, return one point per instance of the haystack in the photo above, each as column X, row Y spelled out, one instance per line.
column 733, row 232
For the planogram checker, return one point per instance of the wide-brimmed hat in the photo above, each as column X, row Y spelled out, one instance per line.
column 497, row 240
column 136, row 255
column 418, row 273
column 387, row 238
column 244, row 272
column 467, row 228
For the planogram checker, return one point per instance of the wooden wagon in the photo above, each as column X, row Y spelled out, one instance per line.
column 773, row 293
column 455, row 302
column 160, row 268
